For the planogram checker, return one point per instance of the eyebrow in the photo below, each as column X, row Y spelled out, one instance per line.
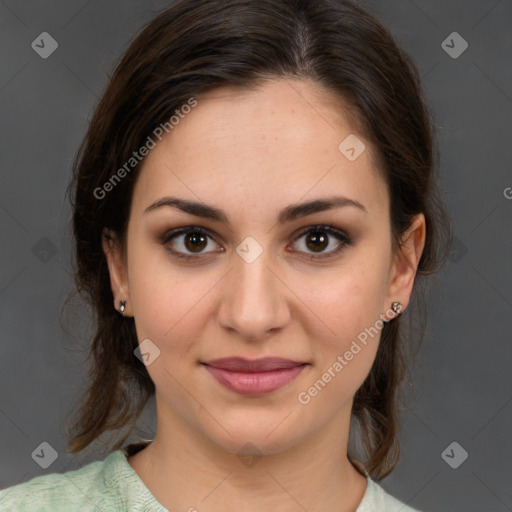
column 288, row 214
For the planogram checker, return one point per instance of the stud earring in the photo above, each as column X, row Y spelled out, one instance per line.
column 396, row 307
column 122, row 306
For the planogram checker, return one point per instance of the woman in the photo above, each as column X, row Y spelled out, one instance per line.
column 254, row 205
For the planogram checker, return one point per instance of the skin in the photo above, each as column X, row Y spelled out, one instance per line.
column 251, row 154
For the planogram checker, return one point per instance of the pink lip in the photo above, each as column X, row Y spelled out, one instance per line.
column 257, row 377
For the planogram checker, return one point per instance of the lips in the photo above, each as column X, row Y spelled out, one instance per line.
column 239, row 364
column 254, row 377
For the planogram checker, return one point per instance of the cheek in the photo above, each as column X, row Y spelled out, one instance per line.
column 345, row 330
column 168, row 302
column 344, row 302
column 344, row 356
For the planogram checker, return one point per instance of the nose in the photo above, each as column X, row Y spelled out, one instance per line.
column 255, row 300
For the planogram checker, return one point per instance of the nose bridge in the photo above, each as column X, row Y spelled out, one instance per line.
column 253, row 304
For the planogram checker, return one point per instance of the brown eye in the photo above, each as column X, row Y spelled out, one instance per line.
column 188, row 242
column 318, row 238
column 191, row 242
column 317, row 241
column 195, row 242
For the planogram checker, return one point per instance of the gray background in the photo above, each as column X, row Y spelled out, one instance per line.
column 462, row 385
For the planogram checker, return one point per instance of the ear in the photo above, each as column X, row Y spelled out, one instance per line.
column 405, row 263
column 117, row 270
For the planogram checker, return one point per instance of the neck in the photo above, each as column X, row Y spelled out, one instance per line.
column 184, row 470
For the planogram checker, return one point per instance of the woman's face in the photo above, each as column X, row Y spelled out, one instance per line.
column 260, row 282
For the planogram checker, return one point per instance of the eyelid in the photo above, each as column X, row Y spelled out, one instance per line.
column 341, row 236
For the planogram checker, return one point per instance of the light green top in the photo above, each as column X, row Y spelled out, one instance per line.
column 112, row 485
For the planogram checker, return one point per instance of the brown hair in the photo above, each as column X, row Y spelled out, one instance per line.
column 191, row 48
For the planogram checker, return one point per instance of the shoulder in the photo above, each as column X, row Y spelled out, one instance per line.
column 98, row 486
column 376, row 499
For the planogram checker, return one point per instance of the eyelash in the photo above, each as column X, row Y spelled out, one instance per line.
column 329, row 230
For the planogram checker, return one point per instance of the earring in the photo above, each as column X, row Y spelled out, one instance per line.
column 122, row 306
column 396, row 307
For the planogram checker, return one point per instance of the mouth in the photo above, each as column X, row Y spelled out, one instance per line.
column 254, row 377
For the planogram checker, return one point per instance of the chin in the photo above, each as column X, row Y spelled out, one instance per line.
column 252, row 444
column 251, row 435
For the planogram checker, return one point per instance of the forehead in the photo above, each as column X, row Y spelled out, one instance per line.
column 276, row 143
